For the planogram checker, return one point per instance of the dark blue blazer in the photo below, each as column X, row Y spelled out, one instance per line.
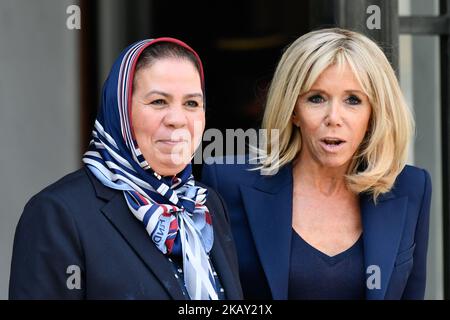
column 78, row 221
column 395, row 230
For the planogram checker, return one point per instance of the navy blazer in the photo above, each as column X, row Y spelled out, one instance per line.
column 78, row 221
column 395, row 230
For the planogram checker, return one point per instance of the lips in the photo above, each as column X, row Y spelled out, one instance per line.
column 330, row 140
column 171, row 141
column 332, row 144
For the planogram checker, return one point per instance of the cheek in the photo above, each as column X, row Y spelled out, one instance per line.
column 197, row 125
column 366, row 119
column 145, row 126
column 309, row 123
column 361, row 126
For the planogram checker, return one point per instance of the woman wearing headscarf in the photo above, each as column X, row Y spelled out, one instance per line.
column 133, row 223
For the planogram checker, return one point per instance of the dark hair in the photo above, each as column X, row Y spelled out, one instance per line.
column 161, row 50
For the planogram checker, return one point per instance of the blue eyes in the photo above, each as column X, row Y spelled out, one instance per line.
column 316, row 99
column 351, row 100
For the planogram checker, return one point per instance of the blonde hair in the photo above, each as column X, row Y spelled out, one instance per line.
column 383, row 152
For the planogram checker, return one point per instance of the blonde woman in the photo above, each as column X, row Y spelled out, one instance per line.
column 342, row 216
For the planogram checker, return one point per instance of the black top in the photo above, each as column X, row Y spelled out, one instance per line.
column 315, row 275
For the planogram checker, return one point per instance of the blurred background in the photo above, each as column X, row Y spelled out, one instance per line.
column 51, row 79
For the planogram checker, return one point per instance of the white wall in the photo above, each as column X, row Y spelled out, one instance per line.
column 38, row 108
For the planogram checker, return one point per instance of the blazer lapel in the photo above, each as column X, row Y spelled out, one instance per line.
column 268, row 204
column 118, row 213
column 134, row 233
column 228, row 279
column 382, row 231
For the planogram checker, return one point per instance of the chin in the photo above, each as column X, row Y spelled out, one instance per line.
column 170, row 166
column 334, row 163
column 168, row 170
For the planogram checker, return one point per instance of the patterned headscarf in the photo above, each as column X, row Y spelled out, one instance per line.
column 172, row 209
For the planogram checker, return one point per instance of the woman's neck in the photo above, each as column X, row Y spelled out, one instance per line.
column 317, row 178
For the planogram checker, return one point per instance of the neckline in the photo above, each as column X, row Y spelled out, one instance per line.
column 329, row 259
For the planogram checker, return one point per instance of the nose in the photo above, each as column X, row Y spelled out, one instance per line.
column 333, row 116
column 175, row 117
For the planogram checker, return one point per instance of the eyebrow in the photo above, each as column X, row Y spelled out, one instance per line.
column 346, row 91
column 355, row 91
column 167, row 95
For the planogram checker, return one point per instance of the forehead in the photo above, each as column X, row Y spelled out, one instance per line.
column 337, row 75
column 337, row 70
column 169, row 72
column 168, row 64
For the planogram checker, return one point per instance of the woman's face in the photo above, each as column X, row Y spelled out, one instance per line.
column 332, row 117
column 168, row 118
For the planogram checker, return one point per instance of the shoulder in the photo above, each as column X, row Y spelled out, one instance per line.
column 74, row 185
column 47, row 239
column 49, row 219
column 413, row 182
column 75, row 180
column 73, row 195
column 229, row 171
